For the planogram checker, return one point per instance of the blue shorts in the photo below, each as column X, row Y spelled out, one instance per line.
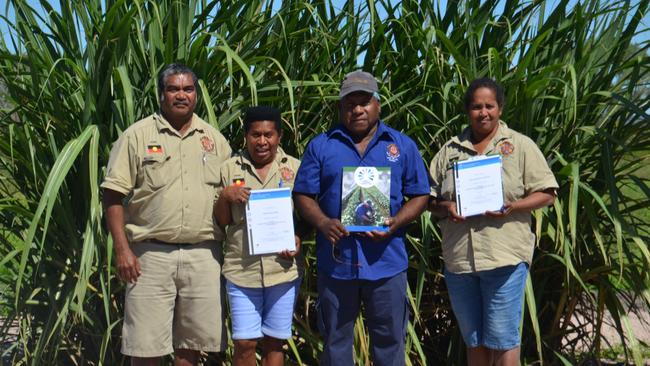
column 264, row 311
column 488, row 305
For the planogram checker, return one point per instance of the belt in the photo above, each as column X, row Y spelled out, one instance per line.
column 156, row 241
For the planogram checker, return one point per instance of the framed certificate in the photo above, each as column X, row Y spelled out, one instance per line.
column 269, row 221
column 478, row 185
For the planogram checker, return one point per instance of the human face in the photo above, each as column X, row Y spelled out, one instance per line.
column 262, row 140
column 484, row 113
column 359, row 113
column 178, row 100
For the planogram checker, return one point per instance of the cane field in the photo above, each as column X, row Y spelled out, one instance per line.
column 74, row 74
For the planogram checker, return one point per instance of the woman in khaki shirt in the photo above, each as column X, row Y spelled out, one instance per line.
column 261, row 288
column 487, row 256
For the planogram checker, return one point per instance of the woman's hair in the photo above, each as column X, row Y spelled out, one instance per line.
column 262, row 113
column 484, row 83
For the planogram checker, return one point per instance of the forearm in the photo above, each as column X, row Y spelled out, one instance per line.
column 535, row 200
column 439, row 209
column 112, row 201
column 309, row 210
column 411, row 210
column 222, row 212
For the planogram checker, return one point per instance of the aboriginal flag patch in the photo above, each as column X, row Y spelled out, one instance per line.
column 238, row 182
column 154, row 149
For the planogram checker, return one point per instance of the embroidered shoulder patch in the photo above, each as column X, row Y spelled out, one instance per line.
column 506, row 148
column 392, row 152
column 286, row 173
column 207, row 144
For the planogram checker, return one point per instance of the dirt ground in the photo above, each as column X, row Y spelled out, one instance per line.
column 639, row 324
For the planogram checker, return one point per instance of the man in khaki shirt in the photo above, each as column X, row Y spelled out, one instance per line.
column 159, row 190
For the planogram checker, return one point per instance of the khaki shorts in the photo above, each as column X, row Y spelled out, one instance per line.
column 177, row 301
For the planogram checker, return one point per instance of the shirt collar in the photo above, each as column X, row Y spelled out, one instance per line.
column 382, row 130
column 163, row 124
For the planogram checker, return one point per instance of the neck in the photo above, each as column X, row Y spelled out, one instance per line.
column 365, row 138
column 481, row 139
column 179, row 124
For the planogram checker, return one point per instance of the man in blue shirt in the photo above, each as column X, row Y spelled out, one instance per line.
column 362, row 268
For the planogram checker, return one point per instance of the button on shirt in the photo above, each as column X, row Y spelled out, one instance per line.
column 172, row 179
column 320, row 175
column 482, row 243
column 239, row 266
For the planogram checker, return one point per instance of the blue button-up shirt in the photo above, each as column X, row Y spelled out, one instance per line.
column 320, row 174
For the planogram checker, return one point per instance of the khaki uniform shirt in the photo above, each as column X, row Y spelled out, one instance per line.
column 171, row 179
column 239, row 266
column 481, row 243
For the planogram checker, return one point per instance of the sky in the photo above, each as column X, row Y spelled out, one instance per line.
column 4, row 29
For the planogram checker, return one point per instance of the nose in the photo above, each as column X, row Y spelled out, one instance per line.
column 357, row 109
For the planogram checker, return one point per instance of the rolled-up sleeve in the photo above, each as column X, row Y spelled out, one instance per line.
column 415, row 177
column 537, row 175
column 122, row 168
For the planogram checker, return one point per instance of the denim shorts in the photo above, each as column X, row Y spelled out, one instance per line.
column 264, row 311
column 488, row 305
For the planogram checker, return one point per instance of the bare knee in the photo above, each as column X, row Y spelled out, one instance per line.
column 245, row 351
column 186, row 357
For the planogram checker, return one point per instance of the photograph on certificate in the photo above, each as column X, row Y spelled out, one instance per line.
column 365, row 198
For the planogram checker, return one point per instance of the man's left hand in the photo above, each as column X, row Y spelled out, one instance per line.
column 377, row 235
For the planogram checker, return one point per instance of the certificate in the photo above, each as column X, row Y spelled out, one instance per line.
column 478, row 185
column 269, row 221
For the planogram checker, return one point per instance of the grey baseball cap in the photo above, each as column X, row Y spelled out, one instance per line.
column 358, row 81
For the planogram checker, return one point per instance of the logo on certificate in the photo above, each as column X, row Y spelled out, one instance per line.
column 366, row 176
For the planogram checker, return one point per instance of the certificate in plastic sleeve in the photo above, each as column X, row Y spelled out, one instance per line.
column 269, row 221
column 478, row 185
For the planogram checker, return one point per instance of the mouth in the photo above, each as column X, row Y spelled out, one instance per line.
column 181, row 104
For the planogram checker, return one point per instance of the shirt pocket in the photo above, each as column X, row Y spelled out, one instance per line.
column 155, row 173
column 211, row 165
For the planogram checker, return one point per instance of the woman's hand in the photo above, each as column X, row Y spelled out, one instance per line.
column 447, row 209
column 531, row 202
column 288, row 254
column 236, row 194
column 507, row 208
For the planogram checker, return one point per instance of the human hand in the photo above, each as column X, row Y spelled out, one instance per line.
column 507, row 208
column 379, row 235
column 333, row 230
column 452, row 212
column 236, row 194
column 128, row 266
column 288, row 254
